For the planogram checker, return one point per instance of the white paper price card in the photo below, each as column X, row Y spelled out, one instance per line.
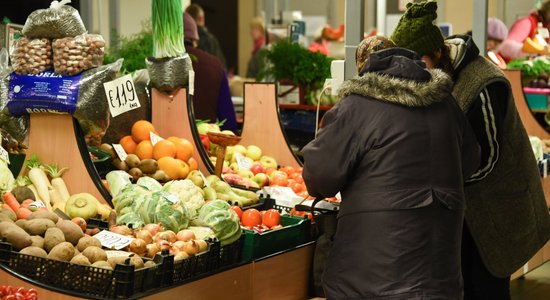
column 113, row 240
column 242, row 162
column 116, row 253
column 4, row 155
column 120, row 151
column 121, row 95
column 154, row 138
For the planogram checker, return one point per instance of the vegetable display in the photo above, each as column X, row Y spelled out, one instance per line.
column 167, row 28
column 31, row 56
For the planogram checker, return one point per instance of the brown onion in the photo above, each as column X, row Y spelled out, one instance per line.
column 152, row 228
column 202, row 244
column 138, row 246
column 145, row 235
column 191, row 248
column 167, row 235
column 179, row 245
column 122, row 229
column 163, row 244
column 185, row 235
column 80, row 222
column 181, row 255
column 152, row 250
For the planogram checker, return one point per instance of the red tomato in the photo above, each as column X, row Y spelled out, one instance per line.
column 19, row 296
column 251, row 217
column 238, row 210
column 271, row 218
column 20, row 290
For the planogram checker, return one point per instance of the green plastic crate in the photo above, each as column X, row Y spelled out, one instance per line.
column 16, row 163
column 295, row 232
column 103, row 162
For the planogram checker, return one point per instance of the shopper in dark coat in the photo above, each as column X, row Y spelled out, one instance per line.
column 207, row 41
column 397, row 147
column 507, row 219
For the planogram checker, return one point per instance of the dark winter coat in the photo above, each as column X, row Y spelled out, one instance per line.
column 398, row 148
column 507, row 213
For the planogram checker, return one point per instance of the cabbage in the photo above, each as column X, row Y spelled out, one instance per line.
column 7, row 182
column 173, row 217
column 130, row 219
column 149, row 183
column 117, row 180
column 219, row 216
column 202, row 232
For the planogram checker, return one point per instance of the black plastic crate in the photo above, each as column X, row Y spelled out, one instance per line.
column 232, row 254
column 90, row 282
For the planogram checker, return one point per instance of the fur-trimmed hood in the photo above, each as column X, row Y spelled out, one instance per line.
column 400, row 91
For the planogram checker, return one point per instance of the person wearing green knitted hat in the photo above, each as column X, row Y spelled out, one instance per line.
column 416, row 30
column 496, row 240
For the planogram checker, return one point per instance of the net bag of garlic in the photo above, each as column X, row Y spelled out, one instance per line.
column 57, row 21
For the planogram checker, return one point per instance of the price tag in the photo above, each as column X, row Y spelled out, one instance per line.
column 113, row 240
column 37, row 204
column 191, row 82
column 242, row 162
column 204, row 179
column 115, row 253
column 4, row 155
column 121, row 95
column 154, row 138
column 120, row 151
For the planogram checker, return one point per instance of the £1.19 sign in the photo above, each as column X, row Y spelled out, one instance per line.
column 121, row 95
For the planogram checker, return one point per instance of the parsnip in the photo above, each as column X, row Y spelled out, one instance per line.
column 58, row 183
column 40, row 180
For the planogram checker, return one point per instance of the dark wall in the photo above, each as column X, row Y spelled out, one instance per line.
column 221, row 20
column 19, row 10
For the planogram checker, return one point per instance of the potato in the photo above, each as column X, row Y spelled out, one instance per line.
column 34, row 251
column 37, row 241
column 87, row 241
column 38, row 226
column 5, row 218
column 22, row 223
column 42, row 214
column 9, row 213
column 80, row 259
column 94, row 254
column 53, row 237
column 102, row 264
column 63, row 252
column 15, row 235
column 71, row 231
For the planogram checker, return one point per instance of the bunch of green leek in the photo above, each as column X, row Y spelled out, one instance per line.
column 167, row 22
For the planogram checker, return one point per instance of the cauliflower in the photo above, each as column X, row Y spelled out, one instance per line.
column 7, row 182
column 189, row 194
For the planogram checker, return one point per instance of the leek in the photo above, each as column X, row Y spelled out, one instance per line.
column 167, row 22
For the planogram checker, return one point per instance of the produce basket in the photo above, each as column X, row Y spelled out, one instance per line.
column 85, row 281
column 187, row 269
column 295, row 232
column 228, row 255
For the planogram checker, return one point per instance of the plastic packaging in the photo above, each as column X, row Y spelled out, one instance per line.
column 169, row 74
column 31, row 56
column 72, row 55
column 57, row 21
column 17, row 127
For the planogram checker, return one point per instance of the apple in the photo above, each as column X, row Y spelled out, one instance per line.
column 253, row 152
column 257, row 168
column 214, row 127
column 268, row 162
column 235, row 167
column 245, row 173
column 261, row 179
column 227, row 170
column 229, row 150
column 203, row 128
column 228, row 132
column 238, row 149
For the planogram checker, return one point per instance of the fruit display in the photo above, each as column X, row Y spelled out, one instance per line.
column 260, row 221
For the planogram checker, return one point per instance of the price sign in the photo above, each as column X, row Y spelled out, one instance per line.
column 4, row 155
column 154, row 138
column 120, row 151
column 121, row 95
column 242, row 162
column 37, row 204
column 113, row 240
column 115, row 253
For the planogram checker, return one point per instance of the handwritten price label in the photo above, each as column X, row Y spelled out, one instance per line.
column 113, row 240
column 120, row 151
column 242, row 162
column 121, row 95
column 4, row 155
column 154, row 138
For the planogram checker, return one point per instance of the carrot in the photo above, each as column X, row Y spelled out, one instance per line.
column 27, row 203
column 58, row 184
column 10, row 200
column 40, row 180
column 22, row 213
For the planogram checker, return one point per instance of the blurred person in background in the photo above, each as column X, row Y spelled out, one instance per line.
column 506, row 220
column 207, row 41
column 212, row 98
column 257, row 33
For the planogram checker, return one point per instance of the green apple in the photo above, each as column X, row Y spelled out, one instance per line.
column 229, row 150
column 261, row 179
column 203, row 128
column 234, row 166
column 238, row 149
column 245, row 173
column 253, row 152
column 268, row 162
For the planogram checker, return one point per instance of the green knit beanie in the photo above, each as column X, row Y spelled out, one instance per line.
column 416, row 31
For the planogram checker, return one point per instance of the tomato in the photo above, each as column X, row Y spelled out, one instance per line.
column 20, row 290
column 238, row 210
column 19, row 296
column 9, row 297
column 271, row 218
column 251, row 217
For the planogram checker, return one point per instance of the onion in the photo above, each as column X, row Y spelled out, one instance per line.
column 191, row 248
column 145, row 235
column 138, row 246
column 152, row 228
column 122, row 229
column 167, row 235
column 185, row 235
column 202, row 244
column 163, row 244
column 80, row 222
column 179, row 245
column 152, row 250
column 181, row 255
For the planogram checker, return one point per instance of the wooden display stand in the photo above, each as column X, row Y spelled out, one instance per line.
column 283, row 276
column 533, row 128
column 262, row 126
column 171, row 117
column 53, row 139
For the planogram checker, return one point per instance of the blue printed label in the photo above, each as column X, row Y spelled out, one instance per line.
column 43, row 92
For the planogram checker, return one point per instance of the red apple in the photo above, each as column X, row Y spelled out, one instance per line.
column 257, row 168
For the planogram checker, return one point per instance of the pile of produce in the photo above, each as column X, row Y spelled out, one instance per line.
column 534, row 71
column 8, row 292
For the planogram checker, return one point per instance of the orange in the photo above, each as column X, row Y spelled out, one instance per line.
column 128, row 144
column 144, row 149
column 170, row 166
column 193, row 165
column 164, row 148
column 184, row 148
column 183, row 169
column 141, row 130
